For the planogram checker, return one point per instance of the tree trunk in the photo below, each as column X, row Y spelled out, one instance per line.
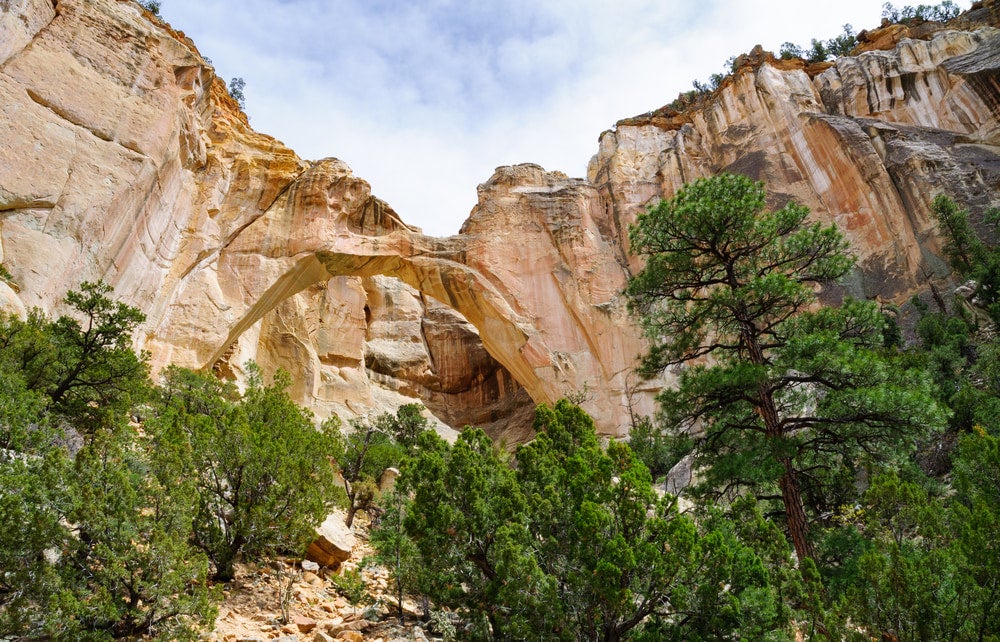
column 399, row 590
column 795, row 513
column 351, row 512
column 791, row 496
column 225, row 566
column 226, row 570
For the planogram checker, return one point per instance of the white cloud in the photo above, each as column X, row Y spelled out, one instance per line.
column 424, row 98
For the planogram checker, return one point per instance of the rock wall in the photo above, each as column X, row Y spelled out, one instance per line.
column 125, row 159
column 530, row 276
column 866, row 142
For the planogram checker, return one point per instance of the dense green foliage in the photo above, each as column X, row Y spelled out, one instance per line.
column 93, row 545
column 795, row 402
column 85, row 370
column 932, row 569
column 96, row 548
column 941, row 12
column 652, row 447
column 572, row 543
column 822, row 50
column 969, row 256
column 110, row 527
column 262, row 478
column 134, row 569
column 34, row 498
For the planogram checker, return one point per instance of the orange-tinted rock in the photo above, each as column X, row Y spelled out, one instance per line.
column 126, row 160
column 333, row 544
column 867, row 144
column 141, row 170
column 303, row 624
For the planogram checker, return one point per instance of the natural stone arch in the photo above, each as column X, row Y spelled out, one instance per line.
column 530, row 270
column 506, row 337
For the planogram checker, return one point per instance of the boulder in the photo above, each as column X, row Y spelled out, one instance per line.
column 338, row 630
column 303, row 624
column 333, row 544
column 388, row 479
column 10, row 303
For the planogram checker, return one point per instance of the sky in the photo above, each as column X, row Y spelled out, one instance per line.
column 425, row 98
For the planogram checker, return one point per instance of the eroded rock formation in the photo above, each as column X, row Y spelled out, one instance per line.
column 866, row 141
column 125, row 159
column 530, row 270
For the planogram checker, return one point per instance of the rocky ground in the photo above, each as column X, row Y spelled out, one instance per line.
column 314, row 608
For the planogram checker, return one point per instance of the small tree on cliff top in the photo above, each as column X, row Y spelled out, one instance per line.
column 793, row 398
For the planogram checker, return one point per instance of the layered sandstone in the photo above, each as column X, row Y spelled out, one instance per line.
column 530, row 276
column 866, row 143
column 125, row 159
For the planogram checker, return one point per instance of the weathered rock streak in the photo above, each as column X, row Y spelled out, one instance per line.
column 867, row 143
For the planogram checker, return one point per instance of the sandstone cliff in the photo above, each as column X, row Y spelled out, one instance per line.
column 125, row 159
column 866, row 141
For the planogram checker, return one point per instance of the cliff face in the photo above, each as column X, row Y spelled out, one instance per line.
column 529, row 276
column 866, row 143
column 124, row 159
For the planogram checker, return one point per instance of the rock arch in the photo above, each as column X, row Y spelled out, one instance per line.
column 530, row 269
column 504, row 335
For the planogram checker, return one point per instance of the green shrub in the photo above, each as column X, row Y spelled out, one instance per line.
column 370, row 448
column 92, row 546
column 571, row 544
column 263, row 475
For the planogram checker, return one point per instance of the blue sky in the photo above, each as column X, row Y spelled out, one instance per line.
column 423, row 99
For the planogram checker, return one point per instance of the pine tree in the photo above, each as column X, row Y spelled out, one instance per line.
column 790, row 398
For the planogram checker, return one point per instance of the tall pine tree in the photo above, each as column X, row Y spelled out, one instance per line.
column 785, row 401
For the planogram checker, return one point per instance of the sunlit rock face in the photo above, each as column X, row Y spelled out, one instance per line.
column 866, row 142
column 521, row 307
column 124, row 159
